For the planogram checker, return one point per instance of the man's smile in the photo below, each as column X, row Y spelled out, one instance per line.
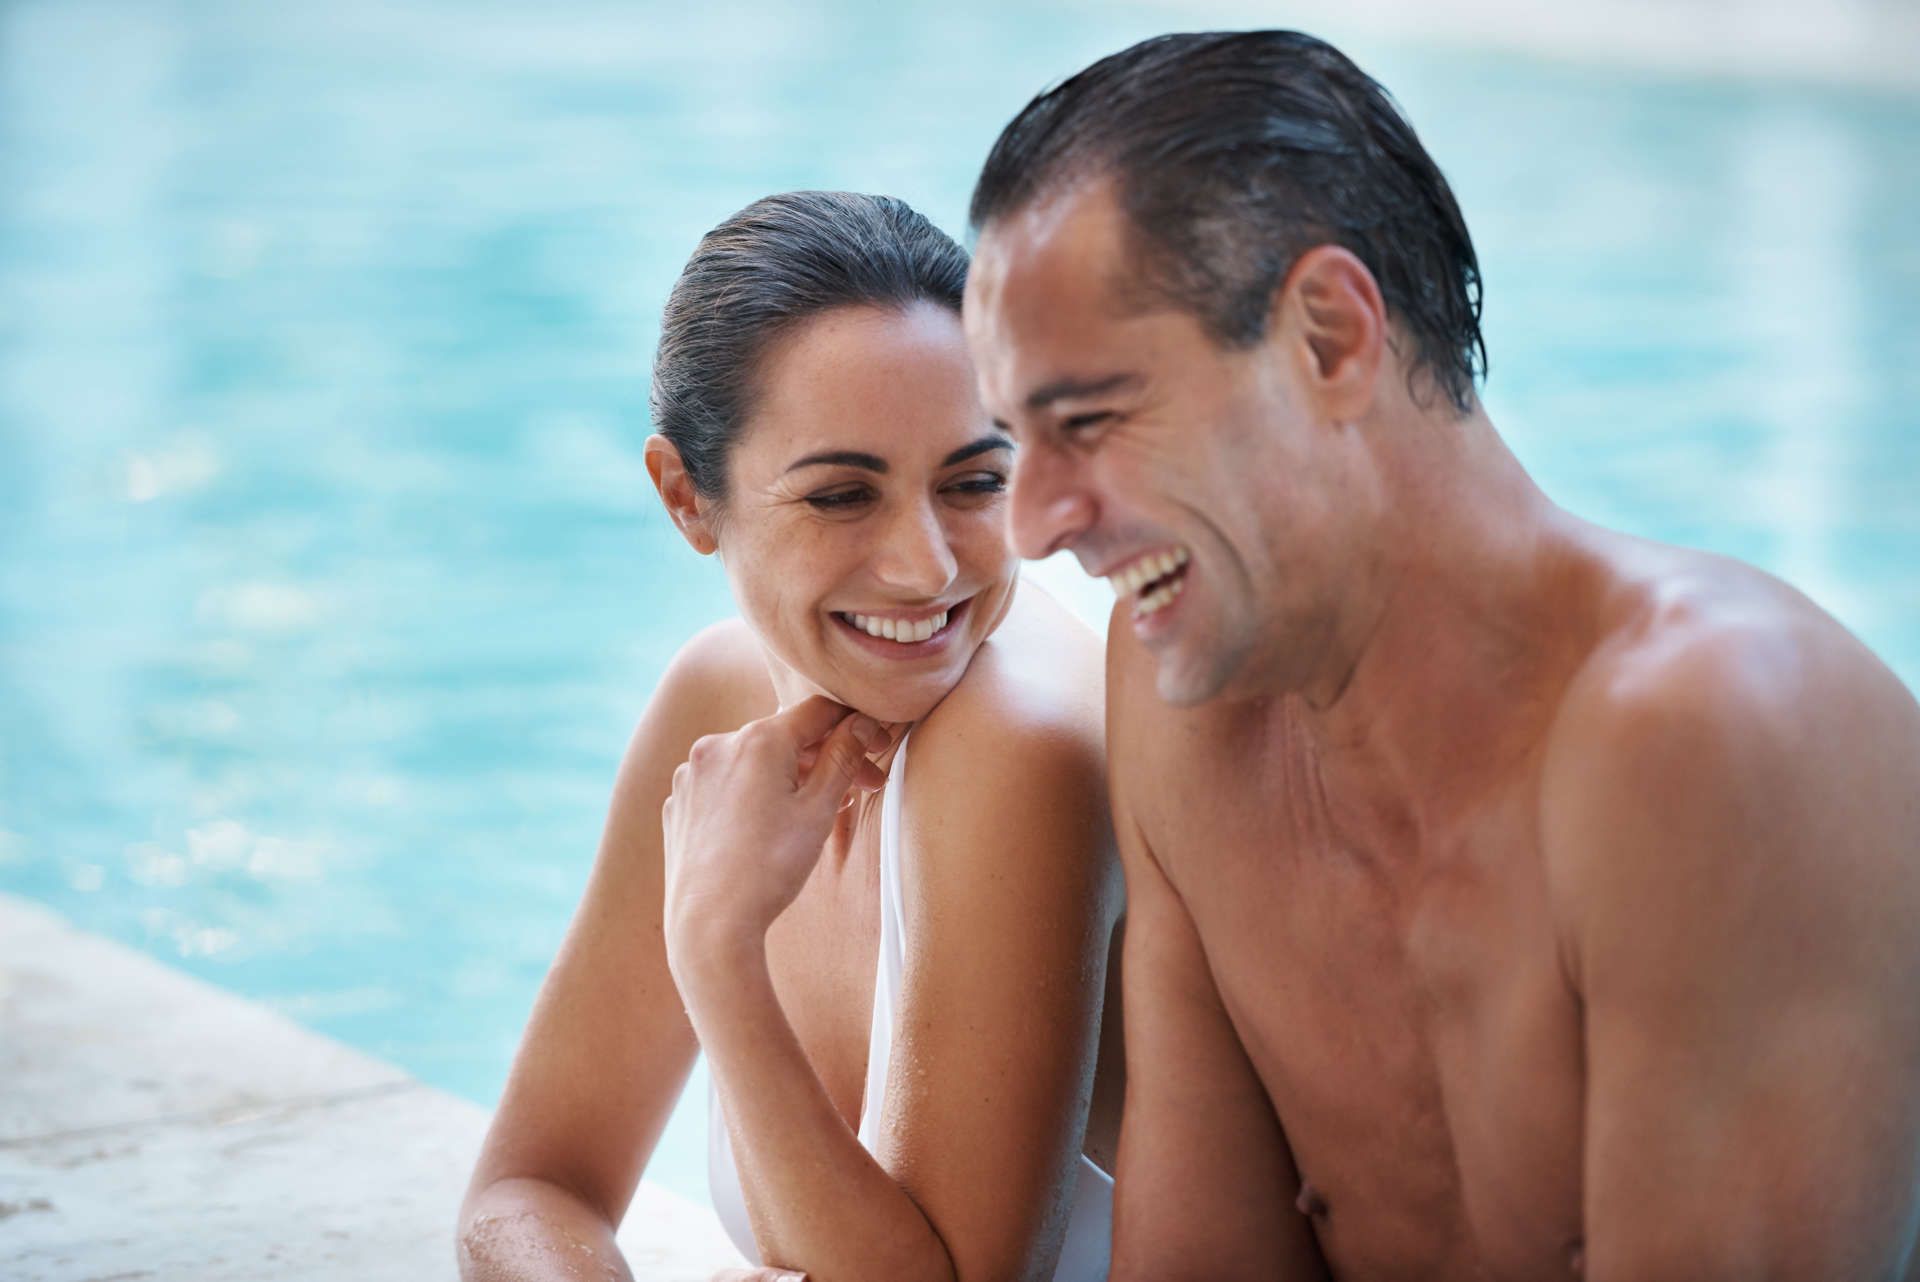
column 1152, row 579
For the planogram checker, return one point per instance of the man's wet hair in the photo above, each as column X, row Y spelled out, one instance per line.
column 1232, row 154
column 760, row 275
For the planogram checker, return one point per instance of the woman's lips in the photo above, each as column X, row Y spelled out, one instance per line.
column 934, row 643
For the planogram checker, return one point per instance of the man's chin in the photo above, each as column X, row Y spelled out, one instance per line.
column 1181, row 683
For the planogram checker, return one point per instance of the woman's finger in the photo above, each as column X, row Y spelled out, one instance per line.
column 840, row 759
column 806, row 722
column 758, row 1275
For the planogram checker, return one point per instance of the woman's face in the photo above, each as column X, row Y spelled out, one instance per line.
column 862, row 529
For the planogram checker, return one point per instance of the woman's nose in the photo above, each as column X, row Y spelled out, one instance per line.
column 916, row 555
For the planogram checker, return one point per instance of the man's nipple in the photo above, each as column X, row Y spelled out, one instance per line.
column 1311, row 1201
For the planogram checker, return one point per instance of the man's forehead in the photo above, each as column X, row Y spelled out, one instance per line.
column 1044, row 293
column 1047, row 315
column 1072, row 234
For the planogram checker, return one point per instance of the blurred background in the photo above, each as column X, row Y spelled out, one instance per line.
column 331, row 583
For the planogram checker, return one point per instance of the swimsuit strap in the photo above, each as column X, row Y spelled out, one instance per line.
column 892, row 962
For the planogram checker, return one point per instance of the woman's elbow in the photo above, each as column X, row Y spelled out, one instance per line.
column 520, row 1227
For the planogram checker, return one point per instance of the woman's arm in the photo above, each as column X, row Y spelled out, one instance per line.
column 1010, row 898
column 608, row 1046
column 818, row 1202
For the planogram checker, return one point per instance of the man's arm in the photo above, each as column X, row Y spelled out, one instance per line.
column 1730, row 825
column 1206, row 1184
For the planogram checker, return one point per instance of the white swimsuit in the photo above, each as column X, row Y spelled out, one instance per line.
column 1083, row 1255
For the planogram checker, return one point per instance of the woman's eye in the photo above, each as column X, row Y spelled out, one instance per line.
column 981, row 483
column 840, row 500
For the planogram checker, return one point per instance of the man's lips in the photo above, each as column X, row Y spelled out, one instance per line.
column 1142, row 575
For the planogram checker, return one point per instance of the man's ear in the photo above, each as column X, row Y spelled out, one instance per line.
column 1330, row 307
column 691, row 514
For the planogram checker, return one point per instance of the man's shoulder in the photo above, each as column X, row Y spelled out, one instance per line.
column 1706, row 647
column 1725, row 716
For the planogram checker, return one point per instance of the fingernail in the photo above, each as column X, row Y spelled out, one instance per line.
column 869, row 734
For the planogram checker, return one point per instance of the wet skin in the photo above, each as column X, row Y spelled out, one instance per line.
column 1507, row 897
column 735, row 898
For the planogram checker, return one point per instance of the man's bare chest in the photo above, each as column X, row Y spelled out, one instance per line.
column 1405, row 1003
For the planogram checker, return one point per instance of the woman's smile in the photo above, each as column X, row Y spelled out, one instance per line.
column 904, row 634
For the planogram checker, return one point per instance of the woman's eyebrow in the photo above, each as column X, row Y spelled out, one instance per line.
column 874, row 463
column 993, row 441
column 847, row 458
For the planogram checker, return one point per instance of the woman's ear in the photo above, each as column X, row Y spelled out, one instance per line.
column 690, row 513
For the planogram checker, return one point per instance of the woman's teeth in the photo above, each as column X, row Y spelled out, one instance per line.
column 902, row 630
column 1147, row 569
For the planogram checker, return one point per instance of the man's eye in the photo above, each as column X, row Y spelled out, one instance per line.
column 1075, row 423
column 840, row 500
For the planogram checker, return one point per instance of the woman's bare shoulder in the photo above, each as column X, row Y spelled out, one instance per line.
column 1015, row 757
column 715, row 683
column 1040, row 675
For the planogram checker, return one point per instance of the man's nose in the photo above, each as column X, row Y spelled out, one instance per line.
column 916, row 555
column 1047, row 510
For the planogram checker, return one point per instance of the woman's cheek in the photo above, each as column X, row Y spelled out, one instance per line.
column 982, row 544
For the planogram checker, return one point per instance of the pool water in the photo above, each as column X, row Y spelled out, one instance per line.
column 331, row 583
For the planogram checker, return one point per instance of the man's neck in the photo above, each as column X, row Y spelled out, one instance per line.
column 1465, row 621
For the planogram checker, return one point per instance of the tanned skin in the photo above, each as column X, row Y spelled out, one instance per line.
column 1508, row 898
column 735, row 904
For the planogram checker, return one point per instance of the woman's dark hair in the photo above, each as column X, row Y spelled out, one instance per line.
column 780, row 261
column 1235, row 152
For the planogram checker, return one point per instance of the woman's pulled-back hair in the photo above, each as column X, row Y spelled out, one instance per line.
column 780, row 261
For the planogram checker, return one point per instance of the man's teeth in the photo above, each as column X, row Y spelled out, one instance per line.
column 1144, row 571
column 901, row 630
column 1159, row 598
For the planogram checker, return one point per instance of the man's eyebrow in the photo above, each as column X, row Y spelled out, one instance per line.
column 981, row 446
column 1062, row 389
column 849, row 458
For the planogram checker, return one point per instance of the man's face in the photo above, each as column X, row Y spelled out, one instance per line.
column 1188, row 475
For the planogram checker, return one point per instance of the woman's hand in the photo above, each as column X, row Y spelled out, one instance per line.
column 745, row 823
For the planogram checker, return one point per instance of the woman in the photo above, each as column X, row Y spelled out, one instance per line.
column 896, row 969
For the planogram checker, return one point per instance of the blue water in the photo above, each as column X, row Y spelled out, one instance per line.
column 330, row 580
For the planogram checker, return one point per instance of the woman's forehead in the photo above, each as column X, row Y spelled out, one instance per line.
column 892, row 384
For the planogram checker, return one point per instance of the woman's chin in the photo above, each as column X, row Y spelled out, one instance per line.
column 893, row 702
column 892, row 697
column 894, row 707
column 903, row 699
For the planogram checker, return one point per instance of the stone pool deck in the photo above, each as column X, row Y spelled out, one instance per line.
column 155, row 1127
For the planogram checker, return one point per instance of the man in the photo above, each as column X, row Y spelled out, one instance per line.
column 1508, row 897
